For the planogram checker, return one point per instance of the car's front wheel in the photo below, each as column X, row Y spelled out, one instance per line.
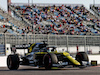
column 82, row 57
column 49, row 59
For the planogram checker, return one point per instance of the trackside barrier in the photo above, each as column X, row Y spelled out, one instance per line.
column 86, row 43
column 3, row 61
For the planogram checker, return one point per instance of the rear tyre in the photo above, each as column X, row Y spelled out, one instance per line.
column 49, row 59
column 82, row 56
column 13, row 62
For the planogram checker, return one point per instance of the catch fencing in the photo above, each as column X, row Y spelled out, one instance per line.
column 52, row 40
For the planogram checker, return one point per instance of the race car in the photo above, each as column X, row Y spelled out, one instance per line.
column 42, row 55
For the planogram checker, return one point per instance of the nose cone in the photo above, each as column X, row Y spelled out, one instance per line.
column 75, row 62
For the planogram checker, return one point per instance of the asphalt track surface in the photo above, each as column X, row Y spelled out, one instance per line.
column 41, row 71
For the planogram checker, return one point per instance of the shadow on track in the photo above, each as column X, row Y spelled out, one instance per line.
column 38, row 69
column 44, row 69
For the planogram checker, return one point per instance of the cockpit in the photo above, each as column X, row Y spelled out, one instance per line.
column 48, row 49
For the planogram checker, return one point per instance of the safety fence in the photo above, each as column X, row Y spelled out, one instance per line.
column 52, row 40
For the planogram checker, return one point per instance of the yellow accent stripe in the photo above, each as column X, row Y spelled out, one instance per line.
column 30, row 48
column 71, row 59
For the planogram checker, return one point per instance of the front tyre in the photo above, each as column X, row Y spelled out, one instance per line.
column 13, row 62
column 82, row 57
column 49, row 59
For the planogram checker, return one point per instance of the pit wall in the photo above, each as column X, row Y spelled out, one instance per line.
column 91, row 49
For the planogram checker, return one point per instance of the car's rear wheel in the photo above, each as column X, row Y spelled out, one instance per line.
column 13, row 62
column 82, row 56
column 49, row 59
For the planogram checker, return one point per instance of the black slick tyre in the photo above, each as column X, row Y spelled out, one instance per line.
column 13, row 62
column 49, row 59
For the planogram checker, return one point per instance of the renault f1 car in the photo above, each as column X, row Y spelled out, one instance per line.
column 42, row 55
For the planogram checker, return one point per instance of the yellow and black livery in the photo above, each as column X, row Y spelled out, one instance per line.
column 42, row 55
